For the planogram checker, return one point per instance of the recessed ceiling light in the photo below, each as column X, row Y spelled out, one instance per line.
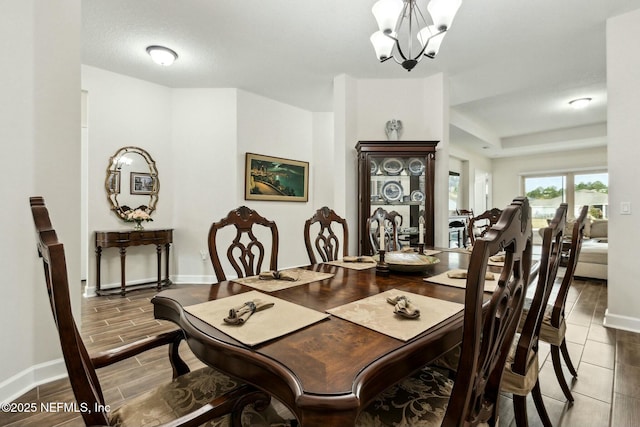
column 580, row 103
column 162, row 55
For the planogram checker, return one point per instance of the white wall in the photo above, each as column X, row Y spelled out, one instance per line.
column 472, row 164
column 40, row 134
column 323, row 166
column 345, row 173
column 123, row 111
column 204, row 161
column 363, row 106
column 623, row 87
column 507, row 171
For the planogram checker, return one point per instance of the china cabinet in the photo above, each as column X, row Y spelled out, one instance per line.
column 397, row 176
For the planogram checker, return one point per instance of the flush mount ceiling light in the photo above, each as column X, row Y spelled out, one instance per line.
column 403, row 19
column 580, row 103
column 162, row 55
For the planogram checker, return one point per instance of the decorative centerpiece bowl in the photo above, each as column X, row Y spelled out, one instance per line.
column 408, row 261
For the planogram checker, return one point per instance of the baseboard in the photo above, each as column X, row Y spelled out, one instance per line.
column 22, row 382
column 625, row 323
column 90, row 291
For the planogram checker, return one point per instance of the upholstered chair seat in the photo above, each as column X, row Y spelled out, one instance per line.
column 549, row 333
column 515, row 383
column 420, row 400
column 184, row 395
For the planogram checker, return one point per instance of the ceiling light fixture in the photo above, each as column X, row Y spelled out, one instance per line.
column 162, row 55
column 580, row 103
column 391, row 16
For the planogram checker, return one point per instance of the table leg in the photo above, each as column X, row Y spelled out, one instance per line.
column 159, row 253
column 166, row 263
column 123, row 280
column 98, row 259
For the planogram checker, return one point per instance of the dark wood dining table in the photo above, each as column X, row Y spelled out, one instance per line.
column 328, row 372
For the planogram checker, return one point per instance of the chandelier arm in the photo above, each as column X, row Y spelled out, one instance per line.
column 404, row 58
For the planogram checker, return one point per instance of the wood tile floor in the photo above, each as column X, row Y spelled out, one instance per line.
column 607, row 391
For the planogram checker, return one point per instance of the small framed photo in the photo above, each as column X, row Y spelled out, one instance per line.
column 113, row 182
column 142, row 183
column 274, row 178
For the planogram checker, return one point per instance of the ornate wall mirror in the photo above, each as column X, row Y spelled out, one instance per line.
column 132, row 181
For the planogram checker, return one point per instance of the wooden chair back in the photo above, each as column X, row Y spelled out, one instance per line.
column 465, row 212
column 327, row 242
column 489, row 330
column 526, row 349
column 478, row 225
column 245, row 253
column 577, row 235
column 457, row 228
column 82, row 375
column 549, row 262
column 392, row 222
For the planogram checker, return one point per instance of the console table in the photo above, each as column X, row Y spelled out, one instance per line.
column 125, row 239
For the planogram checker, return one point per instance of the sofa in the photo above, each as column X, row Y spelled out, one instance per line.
column 593, row 258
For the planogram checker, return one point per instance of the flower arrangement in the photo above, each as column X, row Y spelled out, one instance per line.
column 137, row 216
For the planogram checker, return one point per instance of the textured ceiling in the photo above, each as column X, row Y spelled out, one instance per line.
column 513, row 65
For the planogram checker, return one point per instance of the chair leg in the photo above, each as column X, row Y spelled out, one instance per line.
column 520, row 410
column 542, row 411
column 567, row 359
column 557, row 367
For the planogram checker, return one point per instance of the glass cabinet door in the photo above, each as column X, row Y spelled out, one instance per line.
column 398, row 184
column 397, row 176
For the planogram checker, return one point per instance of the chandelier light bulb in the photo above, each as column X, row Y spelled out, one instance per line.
column 387, row 13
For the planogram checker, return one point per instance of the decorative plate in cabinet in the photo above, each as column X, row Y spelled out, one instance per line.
column 392, row 166
column 392, row 191
column 417, row 196
column 374, row 167
column 415, row 166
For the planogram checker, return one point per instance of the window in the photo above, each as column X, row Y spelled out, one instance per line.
column 546, row 192
column 593, row 190
column 454, row 191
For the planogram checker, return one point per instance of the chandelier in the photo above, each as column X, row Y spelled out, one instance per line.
column 403, row 19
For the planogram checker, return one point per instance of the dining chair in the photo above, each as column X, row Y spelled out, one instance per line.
column 478, row 225
column 554, row 327
column 391, row 224
column 429, row 397
column 245, row 253
column 521, row 370
column 327, row 242
column 456, row 228
column 190, row 399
